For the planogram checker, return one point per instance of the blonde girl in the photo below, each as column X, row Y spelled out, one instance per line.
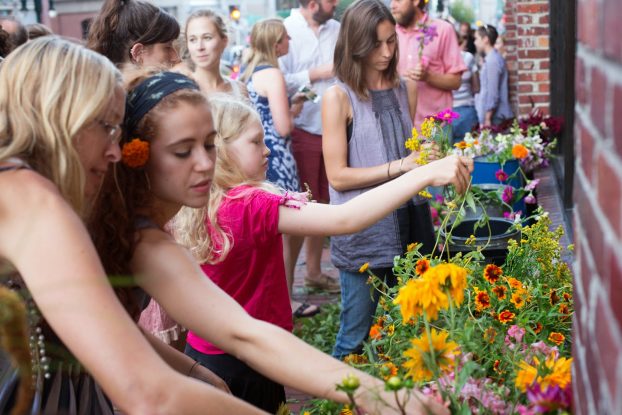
column 238, row 238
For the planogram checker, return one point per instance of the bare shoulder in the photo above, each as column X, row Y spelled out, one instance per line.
column 335, row 101
column 157, row 249
column 26, row 190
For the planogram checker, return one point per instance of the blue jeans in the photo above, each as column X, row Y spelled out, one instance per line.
column 466, row 122
column 358, row 308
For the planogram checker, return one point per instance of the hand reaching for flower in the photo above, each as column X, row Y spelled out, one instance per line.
column 454, row 170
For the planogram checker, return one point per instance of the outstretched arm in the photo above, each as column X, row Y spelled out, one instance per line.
column 47, row 243
column 373, row 205
column 168, row 272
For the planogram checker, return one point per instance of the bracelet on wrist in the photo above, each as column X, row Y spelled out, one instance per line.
column 192, row 368
column 401, row 163
column 389, row 169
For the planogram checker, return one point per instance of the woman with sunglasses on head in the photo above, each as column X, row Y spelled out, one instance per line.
column 58, row 136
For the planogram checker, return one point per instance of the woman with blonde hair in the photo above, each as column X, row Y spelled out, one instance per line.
column 268, row 93
column 206, row 39
column 61, row 110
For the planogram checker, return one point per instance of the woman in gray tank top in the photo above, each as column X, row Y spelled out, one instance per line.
column 366, row 119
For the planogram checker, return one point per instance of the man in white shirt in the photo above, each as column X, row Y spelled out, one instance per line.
column 313, row 34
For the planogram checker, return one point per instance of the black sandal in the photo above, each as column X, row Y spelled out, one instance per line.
column 302, row 310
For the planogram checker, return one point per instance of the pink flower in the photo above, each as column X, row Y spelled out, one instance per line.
column 447, row 116
column 532, row 185
column 549, row 400
column 508, row 194
column 501, row 175
column 515, row 333
column 530, row 199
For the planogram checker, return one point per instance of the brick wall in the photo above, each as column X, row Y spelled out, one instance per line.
column 527, row 46
column 597, row 339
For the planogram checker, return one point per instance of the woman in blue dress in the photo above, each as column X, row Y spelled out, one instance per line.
column 267, row 91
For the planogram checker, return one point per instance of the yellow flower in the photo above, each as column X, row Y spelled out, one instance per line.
column 423, row 359
column 526, row 375
column 390, row 330
column 426, row 194
column 411, row 247
column 427, row 294
column 346, row 411
column 461, row 145
column 413, row 144
column 451, row 205
column 556, row 371
column 364, row 267
column 518, row 299
column 490, row 334
column 427, row 127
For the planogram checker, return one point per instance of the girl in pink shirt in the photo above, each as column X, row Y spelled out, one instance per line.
column 238, row 235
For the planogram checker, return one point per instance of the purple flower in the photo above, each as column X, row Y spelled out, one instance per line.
column 501, row 175
column 427, row 34
column 530, row 199
column 549, row 400
column 508, row 194
column 439, row 199
column 532, row 185
column 447, row 116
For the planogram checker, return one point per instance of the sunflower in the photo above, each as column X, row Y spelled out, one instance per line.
column 423, row 359
column 422, row 266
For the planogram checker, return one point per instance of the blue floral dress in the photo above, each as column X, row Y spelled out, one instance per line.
column 282, row 170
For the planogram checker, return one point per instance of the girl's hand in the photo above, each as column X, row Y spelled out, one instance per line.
column 454, row 170
column 205, row 375
column 411, row 161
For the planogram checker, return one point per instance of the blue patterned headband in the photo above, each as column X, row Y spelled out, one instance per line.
column 149, row 92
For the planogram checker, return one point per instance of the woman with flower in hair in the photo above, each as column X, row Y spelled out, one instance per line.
column 58, row 136
column 237, row 237
column 168, row 113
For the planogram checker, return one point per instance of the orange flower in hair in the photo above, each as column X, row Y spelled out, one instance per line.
column 135, row 153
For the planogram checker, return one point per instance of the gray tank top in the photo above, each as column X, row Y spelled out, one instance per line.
column 380, row 127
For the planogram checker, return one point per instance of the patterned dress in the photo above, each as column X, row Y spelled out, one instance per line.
column 282, row 170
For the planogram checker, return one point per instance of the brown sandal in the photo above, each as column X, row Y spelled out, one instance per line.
column 323, row 282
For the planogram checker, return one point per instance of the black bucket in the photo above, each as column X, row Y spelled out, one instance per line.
column 494, row 239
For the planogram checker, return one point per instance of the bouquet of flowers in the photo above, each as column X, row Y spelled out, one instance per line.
column 526, row 145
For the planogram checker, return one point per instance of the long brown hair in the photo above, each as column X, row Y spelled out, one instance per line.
column 126, row 190
column 357, row 39
column 121, row 24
